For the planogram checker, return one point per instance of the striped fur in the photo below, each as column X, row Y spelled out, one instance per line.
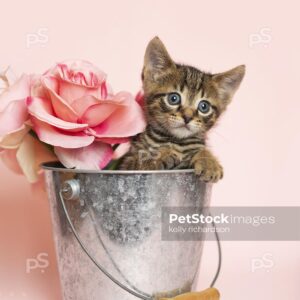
column 176, row 133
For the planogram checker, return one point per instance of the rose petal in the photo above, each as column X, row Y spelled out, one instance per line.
column 13, row 139
column 37, row 88
column 42, row 110
column 113, row 141
column 7, row 78
column 20, row 90
column 104, row 90
column 93, row 157
column 53, row 136
column 71, row 92
column 80, row 72
column 140, row 98
column 127, row 121
column 121, row 150
column 13, row 117
column 80, row 105
column 61, row 108
column 9, row 158
column 30, row 155
column 97, row 113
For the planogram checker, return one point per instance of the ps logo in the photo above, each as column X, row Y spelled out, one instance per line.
column 40, row 262
column 39, row 38
column 262, row 37
column 265, row 262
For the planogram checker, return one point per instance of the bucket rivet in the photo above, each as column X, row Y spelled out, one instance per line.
column 70, row 189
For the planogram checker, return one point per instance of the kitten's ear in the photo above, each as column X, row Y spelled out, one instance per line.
column 228, row 82
column 157, row 61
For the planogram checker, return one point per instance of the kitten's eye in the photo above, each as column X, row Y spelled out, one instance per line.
column 204, row 107
column 174, row 99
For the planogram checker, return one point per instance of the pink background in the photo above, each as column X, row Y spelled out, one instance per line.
column 257, row 140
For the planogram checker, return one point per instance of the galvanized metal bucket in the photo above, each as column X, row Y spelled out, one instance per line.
column 110, row 221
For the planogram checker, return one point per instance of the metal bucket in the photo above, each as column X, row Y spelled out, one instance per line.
column 110, row 221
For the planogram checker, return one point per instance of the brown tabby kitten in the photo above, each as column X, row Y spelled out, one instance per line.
column 181, row 104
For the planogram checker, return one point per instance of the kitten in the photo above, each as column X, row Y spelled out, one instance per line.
column 181, row 104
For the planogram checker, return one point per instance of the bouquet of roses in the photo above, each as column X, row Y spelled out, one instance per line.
column 70, row 113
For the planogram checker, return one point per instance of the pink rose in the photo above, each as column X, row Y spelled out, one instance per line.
column 27, row 158
column 72, row 108
column 13, row 110
column 19, row 150
column 140, row 98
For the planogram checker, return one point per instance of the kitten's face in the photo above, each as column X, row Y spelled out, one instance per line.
column 181, row 100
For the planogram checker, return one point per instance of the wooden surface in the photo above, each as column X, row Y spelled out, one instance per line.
column 208, row 294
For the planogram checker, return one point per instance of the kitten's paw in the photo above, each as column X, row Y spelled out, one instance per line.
column 168, row 162
column 208, row 169
column 167, row 159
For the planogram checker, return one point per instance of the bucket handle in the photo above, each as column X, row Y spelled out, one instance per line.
column 70, row 190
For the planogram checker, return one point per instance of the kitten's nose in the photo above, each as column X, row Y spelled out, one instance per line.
column 187, row 119
column 187, row 114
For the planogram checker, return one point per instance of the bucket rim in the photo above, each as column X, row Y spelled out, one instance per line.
column 58, row 167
